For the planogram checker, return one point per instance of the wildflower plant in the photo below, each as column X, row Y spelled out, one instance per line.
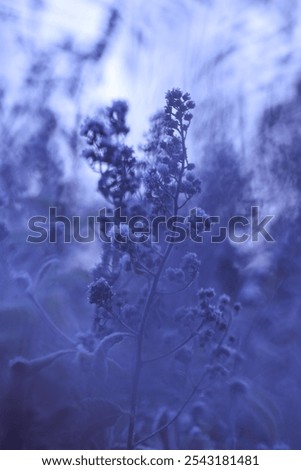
column 178, row 332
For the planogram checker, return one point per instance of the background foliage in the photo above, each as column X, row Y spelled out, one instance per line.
column 67, row 364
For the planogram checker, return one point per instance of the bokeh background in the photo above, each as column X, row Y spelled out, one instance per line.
column 63, row 60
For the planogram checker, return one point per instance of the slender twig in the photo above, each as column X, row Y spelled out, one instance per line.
column 128, row 328
column 165, row 426
column 138, row 264
column 148, row 304
column 181, row 289
column 176, row 348
column 138, row 364
column 49, row 320
column 185, row 202
column 227, row 329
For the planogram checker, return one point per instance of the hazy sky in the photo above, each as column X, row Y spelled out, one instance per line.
column 235, row 57
column 226, row 48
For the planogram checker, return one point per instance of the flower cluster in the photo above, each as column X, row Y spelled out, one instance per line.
column 175, row 274
column 178, row 111
column 171, row 175
column 100, row 293
column 191, row 264
column 148, row 281
column 109, row 155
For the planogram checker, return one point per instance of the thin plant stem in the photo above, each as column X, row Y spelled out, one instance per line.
column 49, row 320
column 139, row 362
column 176, row 348
column 185, row 403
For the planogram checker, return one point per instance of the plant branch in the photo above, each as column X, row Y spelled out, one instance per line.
column 176, row 348
column 49, row 320
column 165, row 426
column 149, row 301
column 181, row 289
